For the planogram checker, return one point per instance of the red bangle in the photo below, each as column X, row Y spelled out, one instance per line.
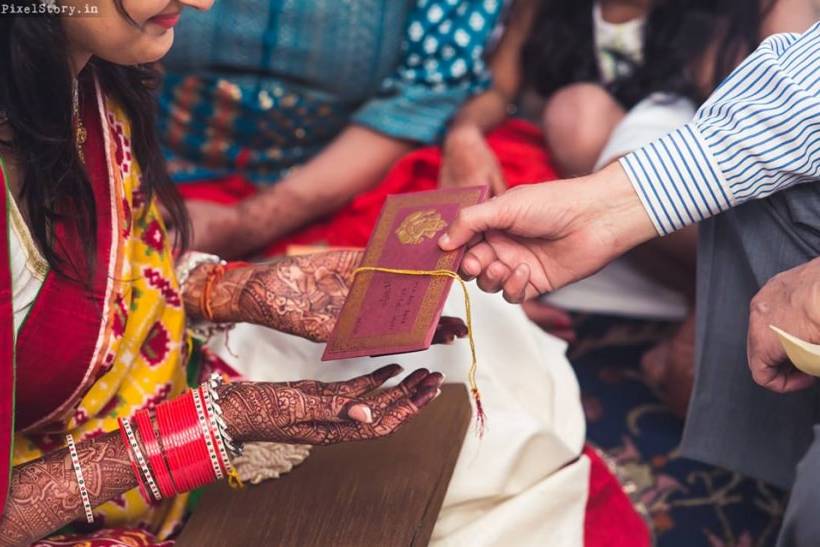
column 154, row 453
column 198, row 462
column 177, row 450
column 134, row 468
column 168, row 440
column 184, row 444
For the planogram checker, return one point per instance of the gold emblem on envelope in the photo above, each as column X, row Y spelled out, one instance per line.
column 420, row 225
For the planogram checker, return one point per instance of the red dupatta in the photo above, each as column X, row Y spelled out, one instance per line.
column 56, row 344
column 57, row 355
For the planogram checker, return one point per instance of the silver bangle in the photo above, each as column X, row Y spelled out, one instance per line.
column 146, row 471
column 78, row 472
column 214, row 381
column 220, row 441
column 205, row 427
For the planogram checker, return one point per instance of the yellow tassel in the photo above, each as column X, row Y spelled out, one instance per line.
column 471, row 377
column 234, row 481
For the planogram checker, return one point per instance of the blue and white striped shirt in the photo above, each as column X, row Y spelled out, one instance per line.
column 759, row 133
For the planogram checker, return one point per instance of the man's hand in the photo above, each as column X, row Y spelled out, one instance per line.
column 468, row 161
column 534, row 239
column 790, row 301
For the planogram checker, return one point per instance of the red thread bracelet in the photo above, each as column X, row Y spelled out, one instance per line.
column 214, row 277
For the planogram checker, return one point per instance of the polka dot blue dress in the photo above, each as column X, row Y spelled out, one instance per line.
column 257, row 87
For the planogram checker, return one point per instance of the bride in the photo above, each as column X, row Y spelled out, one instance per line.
column 94, row 329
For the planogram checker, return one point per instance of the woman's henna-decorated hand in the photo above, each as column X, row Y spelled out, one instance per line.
column 301, row 295
column 313, row 412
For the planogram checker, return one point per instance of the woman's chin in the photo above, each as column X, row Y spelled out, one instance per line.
column 158, row 48
column 149, row 50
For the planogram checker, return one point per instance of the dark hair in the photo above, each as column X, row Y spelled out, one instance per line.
column 560, row 48
column 36, row 96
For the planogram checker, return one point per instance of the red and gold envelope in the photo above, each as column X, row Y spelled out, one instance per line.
column 387, row 313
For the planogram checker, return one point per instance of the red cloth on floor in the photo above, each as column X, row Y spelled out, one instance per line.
column 610, row 520
column 517, row 144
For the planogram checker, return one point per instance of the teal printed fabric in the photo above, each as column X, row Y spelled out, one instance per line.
column 258, row 87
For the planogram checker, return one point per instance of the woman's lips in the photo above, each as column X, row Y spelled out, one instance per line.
column 167, row 20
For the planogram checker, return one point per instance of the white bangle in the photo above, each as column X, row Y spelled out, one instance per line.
column 192, row 260
column 135, row 447
column 75, row 461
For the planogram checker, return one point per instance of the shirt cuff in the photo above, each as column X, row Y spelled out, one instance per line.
column 678, row 180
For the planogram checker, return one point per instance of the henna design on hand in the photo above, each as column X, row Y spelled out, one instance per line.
column 313, row 412
column 44, row 495
column 301, row 295
column 355, row 387
column 389, row 419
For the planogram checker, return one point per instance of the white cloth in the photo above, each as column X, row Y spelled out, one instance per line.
column 28, row 267
column 618, row 46
column 522, row 484
column 623, row 290
column 650, row 119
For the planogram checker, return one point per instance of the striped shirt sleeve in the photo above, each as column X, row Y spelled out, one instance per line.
column 758, row 134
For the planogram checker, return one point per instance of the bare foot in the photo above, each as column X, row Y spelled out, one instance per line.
column 669, row 367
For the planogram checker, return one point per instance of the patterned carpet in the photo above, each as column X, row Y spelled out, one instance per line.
column 688, row 503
